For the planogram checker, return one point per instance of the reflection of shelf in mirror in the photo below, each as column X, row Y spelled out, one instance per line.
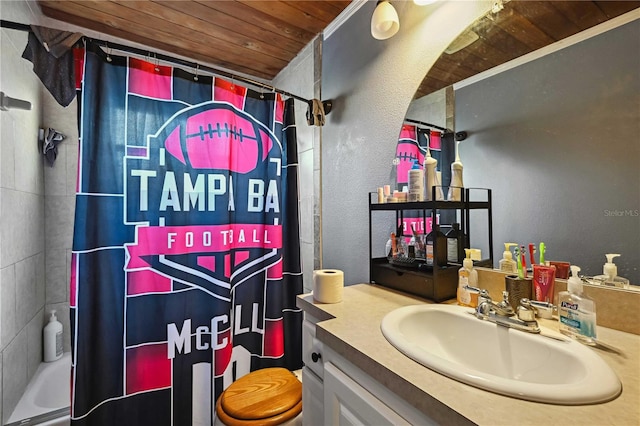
column 419, row 205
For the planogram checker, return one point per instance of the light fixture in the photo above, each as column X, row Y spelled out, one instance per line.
column 497, row 6
column 384, row 22
column 424, row 2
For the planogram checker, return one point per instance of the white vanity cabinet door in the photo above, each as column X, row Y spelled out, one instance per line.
column 311, row 347
column 312, row 372
column 312, row 399
column 348, row 403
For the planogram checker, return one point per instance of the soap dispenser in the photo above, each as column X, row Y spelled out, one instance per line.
column 507, row 264
column 467, row 277
column 609, row 275
column 52, row 334
column 576, row 311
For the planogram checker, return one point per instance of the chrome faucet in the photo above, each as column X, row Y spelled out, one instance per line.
column 503, row 314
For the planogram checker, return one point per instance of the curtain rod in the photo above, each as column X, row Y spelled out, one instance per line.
column 409, row 120
column 326, row 104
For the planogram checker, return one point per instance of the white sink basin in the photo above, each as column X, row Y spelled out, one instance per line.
column 450, row 341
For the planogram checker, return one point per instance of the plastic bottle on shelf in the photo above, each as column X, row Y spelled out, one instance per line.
column 455, row 188
column 52, row 339
column 454, row 244
column 431, row 178
column 415, row 181
column 436, row 247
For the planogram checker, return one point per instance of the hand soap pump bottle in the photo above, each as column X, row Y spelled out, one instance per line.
column 577, row 312
column 507, row 264
column 52, row 339
column 467, row 277
column 610, row 276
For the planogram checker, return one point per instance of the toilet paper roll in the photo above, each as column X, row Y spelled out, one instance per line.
column 328, row 285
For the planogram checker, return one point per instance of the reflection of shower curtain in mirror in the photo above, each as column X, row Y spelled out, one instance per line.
column 186, row 258
column 412, row 146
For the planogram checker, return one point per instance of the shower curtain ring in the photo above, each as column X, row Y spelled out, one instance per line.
column 108, row 52
column 195, row 78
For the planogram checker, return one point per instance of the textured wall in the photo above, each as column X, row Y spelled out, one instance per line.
column 372, row 83
column 557, row 139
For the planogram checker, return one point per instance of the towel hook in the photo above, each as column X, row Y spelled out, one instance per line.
column 7, row 103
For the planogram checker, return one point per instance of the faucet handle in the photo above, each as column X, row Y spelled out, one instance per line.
column 526, row 311
column 505, row 300
column 484, row 295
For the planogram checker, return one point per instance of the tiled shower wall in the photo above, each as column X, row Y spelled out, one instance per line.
column 300, row 77
column 22, row 216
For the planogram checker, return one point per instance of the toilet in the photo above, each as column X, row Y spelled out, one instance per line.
column 270, row 396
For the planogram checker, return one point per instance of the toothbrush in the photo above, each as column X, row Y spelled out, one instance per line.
column 543, row 248
column 532, row 250
column 524, row 262
column 516, row 252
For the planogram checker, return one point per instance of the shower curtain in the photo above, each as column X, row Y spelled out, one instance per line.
column 186, row 260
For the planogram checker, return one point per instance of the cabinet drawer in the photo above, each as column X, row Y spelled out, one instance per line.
column 438, row 286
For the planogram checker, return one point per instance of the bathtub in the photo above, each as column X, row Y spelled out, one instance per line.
column 45, row 402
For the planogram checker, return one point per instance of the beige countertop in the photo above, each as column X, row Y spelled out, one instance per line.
column 352, row 329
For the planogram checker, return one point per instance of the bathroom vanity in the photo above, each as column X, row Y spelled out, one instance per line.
column 352, row 374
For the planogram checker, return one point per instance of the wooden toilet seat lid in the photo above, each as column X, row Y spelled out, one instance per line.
column 262, row 394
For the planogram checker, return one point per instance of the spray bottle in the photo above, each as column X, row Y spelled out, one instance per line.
column 455, row 189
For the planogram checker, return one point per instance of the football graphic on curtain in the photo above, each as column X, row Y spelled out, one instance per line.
column 206, row 200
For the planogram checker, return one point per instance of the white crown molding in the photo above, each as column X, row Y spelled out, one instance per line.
column 353, row 7
column 559, row 45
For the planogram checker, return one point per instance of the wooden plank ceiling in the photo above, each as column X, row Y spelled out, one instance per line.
column 260, row 38
column 521, row 27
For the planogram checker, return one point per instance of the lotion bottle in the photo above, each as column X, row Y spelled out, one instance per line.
column 52, row 339
column 415, row 180
column 577, row 312
column 507, row 264
column 455, row 188
column 431, row 178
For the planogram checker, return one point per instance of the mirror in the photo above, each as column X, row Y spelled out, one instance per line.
column 555, row 138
